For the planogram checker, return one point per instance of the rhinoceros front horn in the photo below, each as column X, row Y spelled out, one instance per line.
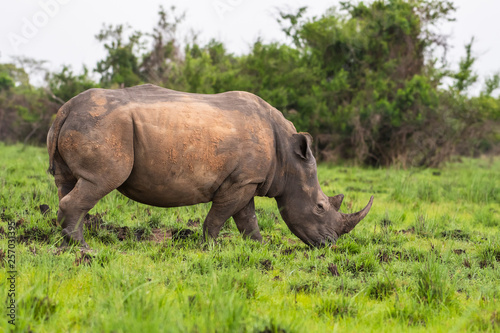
column 349, row 221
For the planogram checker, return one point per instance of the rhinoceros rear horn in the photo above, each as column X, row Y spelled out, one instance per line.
column 349, row 221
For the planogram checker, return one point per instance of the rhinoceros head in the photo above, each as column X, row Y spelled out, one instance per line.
column 309, row 213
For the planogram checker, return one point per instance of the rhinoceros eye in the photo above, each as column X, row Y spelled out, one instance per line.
column 320, row 208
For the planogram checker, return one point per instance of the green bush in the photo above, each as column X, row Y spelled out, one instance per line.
column 362, row 79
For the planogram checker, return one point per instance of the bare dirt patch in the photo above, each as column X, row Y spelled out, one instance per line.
column 287, row 251
column 44, row 209
column 266, row 264
column 193, row 223
column 407, row 231
column 181, row 233
column 2, row 258
column 332, row 268
column 456, row 234
column 95, row 225
column 159, row 235
column 35, row 234
column 83, row 258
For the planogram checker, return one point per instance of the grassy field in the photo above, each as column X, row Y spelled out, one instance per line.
column 426, row 258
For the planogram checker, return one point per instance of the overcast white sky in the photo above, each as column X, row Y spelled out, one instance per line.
column 66, row 35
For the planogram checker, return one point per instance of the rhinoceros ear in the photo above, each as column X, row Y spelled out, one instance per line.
column 302, row 143
column 336, row 201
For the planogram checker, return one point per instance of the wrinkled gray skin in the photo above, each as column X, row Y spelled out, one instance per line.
column 166, row 148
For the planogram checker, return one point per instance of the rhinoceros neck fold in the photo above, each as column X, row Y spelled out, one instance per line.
column 276, row 183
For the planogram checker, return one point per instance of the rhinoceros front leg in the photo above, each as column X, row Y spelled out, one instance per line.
column 246, row 221
column 228, row 201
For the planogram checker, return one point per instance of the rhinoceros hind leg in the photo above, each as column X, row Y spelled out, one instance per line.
column 227, row 202
column 63, row 177
column 246, row 221
column 74, row 206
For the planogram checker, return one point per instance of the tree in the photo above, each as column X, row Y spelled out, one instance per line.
column 120, row 68
column 64, row 85
column 160, row 63
column 365, row 79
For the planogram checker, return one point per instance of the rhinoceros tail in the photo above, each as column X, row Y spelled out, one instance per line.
column 53, row 135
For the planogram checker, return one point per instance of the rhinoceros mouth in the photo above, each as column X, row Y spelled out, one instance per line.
column 324, row 242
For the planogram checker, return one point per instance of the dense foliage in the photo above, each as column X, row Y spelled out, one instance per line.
column 364, row 79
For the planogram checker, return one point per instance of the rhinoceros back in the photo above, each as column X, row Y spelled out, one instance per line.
column 182, row 146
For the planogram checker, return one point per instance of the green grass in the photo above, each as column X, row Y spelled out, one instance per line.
column 426, row 258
